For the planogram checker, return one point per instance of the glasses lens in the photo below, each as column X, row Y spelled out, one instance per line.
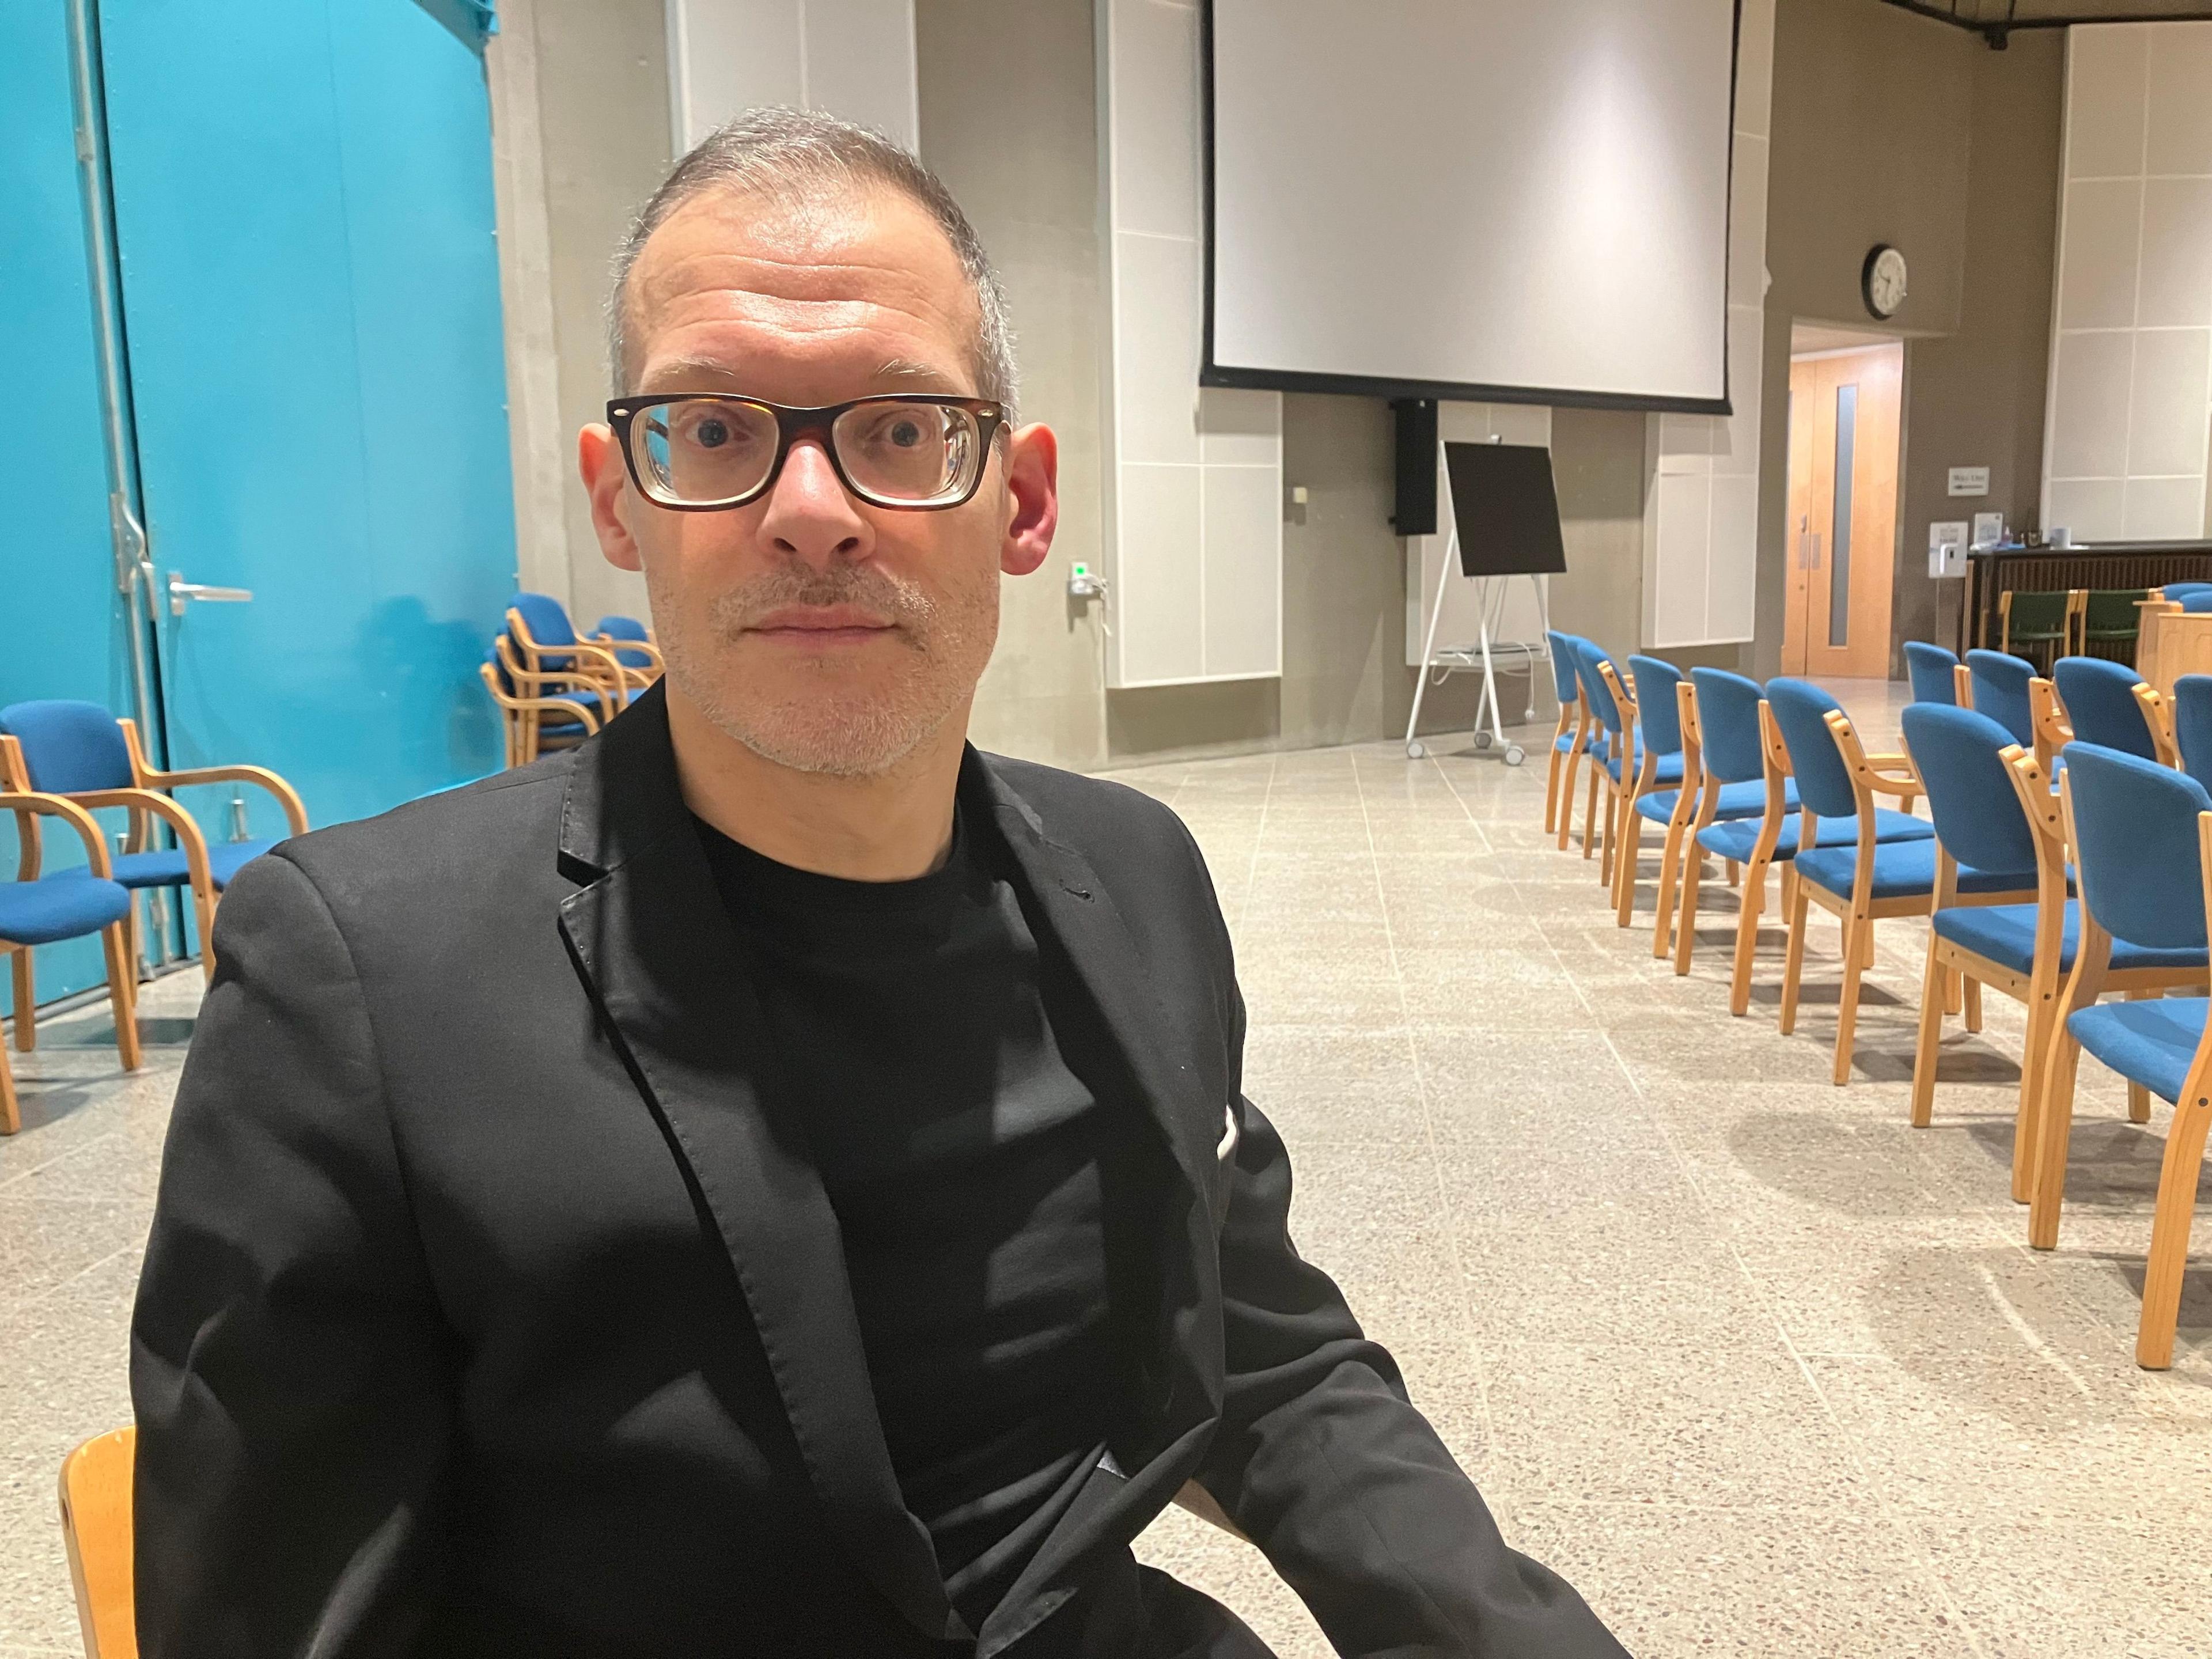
column 912, row 452
column 699, row 451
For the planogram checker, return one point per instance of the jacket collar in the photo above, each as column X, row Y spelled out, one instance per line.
column 649, row 934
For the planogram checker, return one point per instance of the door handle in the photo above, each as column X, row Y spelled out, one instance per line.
column 182, row 592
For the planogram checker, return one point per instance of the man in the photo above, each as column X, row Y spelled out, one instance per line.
column 771, row 1179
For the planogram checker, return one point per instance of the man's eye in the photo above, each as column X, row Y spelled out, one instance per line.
column 904, row 433
column 711, row 434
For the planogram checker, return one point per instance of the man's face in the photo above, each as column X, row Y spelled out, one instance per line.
column 824, row 633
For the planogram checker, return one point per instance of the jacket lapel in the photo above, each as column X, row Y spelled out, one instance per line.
column 649, row 934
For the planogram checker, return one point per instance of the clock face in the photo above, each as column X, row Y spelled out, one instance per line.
column 1882, row 281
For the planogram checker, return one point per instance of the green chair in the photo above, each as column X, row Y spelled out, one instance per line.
column 2032, row 619
column 2110, row 616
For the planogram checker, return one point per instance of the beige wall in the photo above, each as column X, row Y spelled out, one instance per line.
column 1893, row 128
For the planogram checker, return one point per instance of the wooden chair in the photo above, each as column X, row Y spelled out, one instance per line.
column 635, row 652
column 1932, row 671
column 2158, row 715
column 545, row 645
column 1996, row 684
column 2032, row 619
column 95, row 1499
column 2097, row 697
column 1569, row 738
column 535, row 724
column 2111, row 616
column 81, row 751
column 2047, row 719
column 69, row 904
column 1704, row 799
column 2133, row 826
column 1660, row 767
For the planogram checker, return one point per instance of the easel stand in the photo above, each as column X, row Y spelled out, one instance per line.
column 1490, row 601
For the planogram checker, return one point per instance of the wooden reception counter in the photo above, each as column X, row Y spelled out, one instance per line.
column 2173, row 643
column 1994, row 570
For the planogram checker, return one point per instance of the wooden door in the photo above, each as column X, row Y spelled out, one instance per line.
column 1844, row 429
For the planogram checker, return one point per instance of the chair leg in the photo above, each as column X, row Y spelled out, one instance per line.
column 1931, row 1036
column 1632, row 853
column 1793, row 964
column 10, row 1119
column 1551, row 786
column 122, row 994
column 1685, row 924
column 2169, row 1230
column 1567, row 795
column 203, row 914
column 1973, row 1002
column 1606, row 841
column 26, row 1001
column 1589, row 809
column 2139, row 1096
column 1670, row 871
column 2046, row 1194
column 1857, row 932
column 1746, row 937
column 1955, row 994
column 1734, row 872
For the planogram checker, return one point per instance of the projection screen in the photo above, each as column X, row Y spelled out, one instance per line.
column 1498, row 200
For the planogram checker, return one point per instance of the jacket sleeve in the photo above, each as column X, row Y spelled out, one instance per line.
column 291, row 1373
column 1324, row 1463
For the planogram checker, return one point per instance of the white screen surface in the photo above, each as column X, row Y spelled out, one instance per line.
column 1473, row 198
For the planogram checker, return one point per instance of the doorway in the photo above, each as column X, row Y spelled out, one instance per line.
column 1844, row 422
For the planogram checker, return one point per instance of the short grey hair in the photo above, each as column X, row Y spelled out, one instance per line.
column 787, row 153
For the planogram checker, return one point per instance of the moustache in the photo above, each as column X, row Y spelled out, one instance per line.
column 903, row 604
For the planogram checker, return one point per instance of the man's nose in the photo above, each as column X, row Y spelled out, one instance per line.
column 810, row 514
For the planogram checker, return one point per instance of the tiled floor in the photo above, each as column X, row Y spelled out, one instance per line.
column 1762, row 1369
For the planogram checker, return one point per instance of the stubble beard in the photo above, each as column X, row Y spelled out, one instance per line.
column 821, row 719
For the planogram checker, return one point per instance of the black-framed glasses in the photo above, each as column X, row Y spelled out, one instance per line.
column 701, row 452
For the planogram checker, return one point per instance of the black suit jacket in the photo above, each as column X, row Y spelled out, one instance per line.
column 487, row 1309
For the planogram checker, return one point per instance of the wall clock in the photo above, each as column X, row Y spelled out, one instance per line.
column 1881, row 280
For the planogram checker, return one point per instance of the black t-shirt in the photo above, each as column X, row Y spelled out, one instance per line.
column 961, row 1154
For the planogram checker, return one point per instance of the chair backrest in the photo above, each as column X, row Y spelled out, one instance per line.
column 1728, row 724
column 2113, row 612
column 2192, row 726
column 547, row 619
column 1654, row 703
column 1566, row 665
column 95, row 1493
column 2100, row 704
column 2180, row 590
column 2136, row 848
column 1824, row 782
column 70, row 748
column 2198, row 603
column 619, row 628
column 2000, row 691
column 1959, row 755
column 1587, row 659
column 1930, row 667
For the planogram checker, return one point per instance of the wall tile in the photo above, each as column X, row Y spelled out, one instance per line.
column 1677, row 595
column 2089, row 406
column 1243, row 519
column 1754, row 67
column 1746, row 269
column 1735, row 436
column 2162, row 509
column 2179, row 139
column 1156, row 337
column 1239, row 427
column 1155, row 118
column 2105, row 65
column 1157, row 576
column 2091, row 507
column 1730, row 573
column 2177, row 250
column 2166, row 408
column 2097, row 254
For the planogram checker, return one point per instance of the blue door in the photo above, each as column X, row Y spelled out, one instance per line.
column 303, row 216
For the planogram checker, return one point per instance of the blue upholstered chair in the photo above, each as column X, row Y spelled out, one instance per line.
column 67, row 904
column 2197, row 603
column 1658, row 789
column 536, row 724
column 81, row 751
column 2100, row 696
column 1999, row 684
column 632, row 643
column 1705, row 798
column 2178, row 592
column 548, row 660
column 2191, row 708
column 2141, row 835
column 1570, row 736
column 1611, row 751
column 1873, row 878
column 1933, row 672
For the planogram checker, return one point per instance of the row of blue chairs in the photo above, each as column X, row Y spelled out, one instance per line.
column 65, row 760
column 555, row 687
column 2066, row 857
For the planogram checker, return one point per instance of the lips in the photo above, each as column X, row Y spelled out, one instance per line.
column 826, row 624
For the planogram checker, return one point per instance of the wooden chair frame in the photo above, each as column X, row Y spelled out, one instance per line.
column 523, row 718
column 2070, row 621
column 594, row 667
column 1871, row 776
column 1595, row 837
column 1631, row 821
column 122, row 976
column 1564, row 762
column 1775, row 756
column 2047, row 716
column 1692, row 812
column 1618, row 866
column 2158, row 715
column 97, row 1490
column 634, row 679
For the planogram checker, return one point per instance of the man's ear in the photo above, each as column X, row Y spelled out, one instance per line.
column 1032, row 499
column 606, row 481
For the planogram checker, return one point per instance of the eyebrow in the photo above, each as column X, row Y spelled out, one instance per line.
column 671, row 375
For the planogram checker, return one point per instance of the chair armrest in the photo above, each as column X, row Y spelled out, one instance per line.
column 295, row 810
column 575, row 705
column 54, row 806
column 189, row 834
column 655, row 662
